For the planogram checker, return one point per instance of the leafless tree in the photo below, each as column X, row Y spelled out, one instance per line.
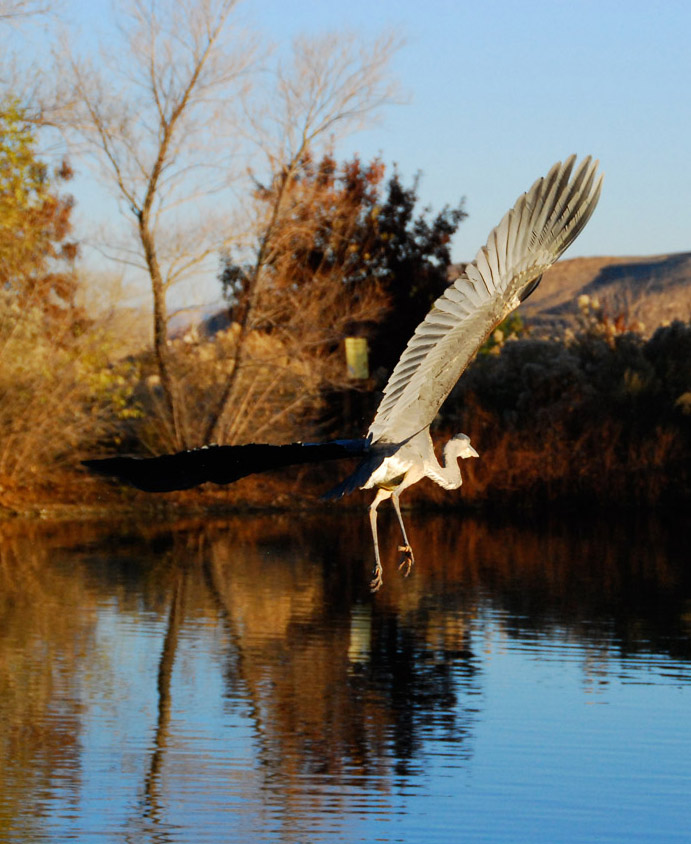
column 161, row 118
column 150, row 113
column 15, row 10
column 330, row 86
column 21, row 74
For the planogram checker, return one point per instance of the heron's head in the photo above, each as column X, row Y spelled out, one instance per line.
column 461, row 447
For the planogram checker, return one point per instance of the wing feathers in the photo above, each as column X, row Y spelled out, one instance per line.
column 530, row 237
column 219, row 464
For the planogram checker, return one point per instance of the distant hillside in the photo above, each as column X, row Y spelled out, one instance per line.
column 651, row 290
column 207, row 319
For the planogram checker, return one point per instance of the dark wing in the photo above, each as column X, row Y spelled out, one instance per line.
column 219, row 464
column 533, row 234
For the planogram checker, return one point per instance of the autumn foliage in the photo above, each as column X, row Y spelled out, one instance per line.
column 37, row 267
column 596, row 418
column 58, row 388
column 600, row 415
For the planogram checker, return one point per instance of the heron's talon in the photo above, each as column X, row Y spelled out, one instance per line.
column 377, row 581
column 407, row 561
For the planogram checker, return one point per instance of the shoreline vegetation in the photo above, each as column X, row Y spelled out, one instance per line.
column 593, row 413
column 600, row 419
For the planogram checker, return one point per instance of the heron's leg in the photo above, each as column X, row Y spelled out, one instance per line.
column 378, row 579
column 408, row 559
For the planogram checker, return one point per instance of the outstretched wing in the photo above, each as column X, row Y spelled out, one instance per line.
column 219, row 464
column 533, row 234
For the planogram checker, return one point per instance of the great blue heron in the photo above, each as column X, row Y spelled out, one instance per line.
column 398, row 449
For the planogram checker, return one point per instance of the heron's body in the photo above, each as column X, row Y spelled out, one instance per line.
column 398, row 451
column 532, row 235
column 413, row 461
column 391, row 468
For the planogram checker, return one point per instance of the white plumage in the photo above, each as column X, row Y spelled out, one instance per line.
column 532, row 235
column 543, row 222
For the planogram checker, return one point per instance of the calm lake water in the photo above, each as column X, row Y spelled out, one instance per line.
column 235, row 681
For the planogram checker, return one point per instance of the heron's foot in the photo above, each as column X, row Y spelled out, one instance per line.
column 407, row 560
column 378, row 580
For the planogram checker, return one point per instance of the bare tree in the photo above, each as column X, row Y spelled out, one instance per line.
column 20, row 71
column 15, row 10
column 331, row 86
column 151, row 114
column 160, row 119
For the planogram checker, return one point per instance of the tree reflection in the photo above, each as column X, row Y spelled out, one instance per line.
column 325, row 704
column 347, row 692
column 40, row 650
column 152, row 785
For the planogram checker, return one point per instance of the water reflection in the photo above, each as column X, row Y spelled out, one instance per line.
column 170, row 680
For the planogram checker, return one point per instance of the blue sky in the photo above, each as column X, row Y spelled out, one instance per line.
column 498, row 90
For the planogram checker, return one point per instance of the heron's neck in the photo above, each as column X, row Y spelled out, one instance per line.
column 447, row 474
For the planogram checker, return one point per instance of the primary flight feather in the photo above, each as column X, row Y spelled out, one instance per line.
column 533, row 234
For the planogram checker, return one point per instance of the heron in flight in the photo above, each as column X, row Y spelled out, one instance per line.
column 398, row 450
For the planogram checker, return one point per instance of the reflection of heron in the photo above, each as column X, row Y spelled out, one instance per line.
column 398, row 451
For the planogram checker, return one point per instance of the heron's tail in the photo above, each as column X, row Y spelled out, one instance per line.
column 363, row 471
column 219, row 464
column 359, row 477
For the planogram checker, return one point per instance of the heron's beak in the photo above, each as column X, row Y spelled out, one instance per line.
column 472, row 452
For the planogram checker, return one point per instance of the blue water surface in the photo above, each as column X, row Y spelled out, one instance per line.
column 236, row 681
